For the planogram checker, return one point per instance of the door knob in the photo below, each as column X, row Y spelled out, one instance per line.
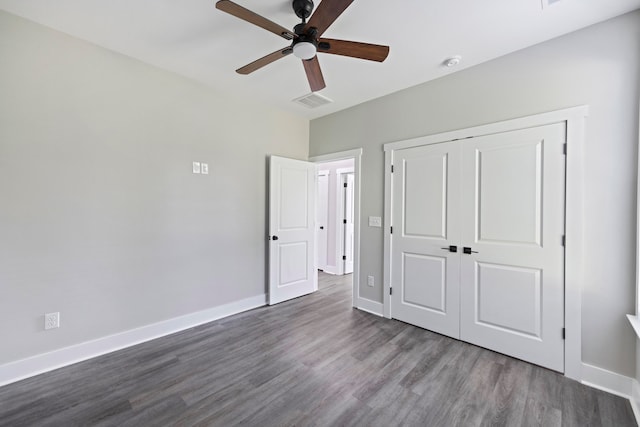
column 274, row 238
column 451, row 248
column 321, row 227
column 468, row 251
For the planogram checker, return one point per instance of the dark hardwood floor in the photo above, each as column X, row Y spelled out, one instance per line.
column 313, row 361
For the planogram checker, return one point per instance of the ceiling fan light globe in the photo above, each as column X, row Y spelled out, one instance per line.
column 304, row 50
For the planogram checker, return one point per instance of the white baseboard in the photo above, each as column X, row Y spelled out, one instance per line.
column 370, row 306
column 331, row 269
column 635, row 399
column 25, row 368
column 608, row 381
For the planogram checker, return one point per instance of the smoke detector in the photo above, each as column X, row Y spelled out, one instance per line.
column 547, row 3
column 453, row 61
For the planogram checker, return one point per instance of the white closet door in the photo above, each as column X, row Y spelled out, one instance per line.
column 292, row 191
column 426, row 204
column 512, row 292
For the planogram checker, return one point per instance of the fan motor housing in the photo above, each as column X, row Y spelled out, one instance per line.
column 303, row 8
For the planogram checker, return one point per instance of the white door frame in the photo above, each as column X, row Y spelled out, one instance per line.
column 323, row 267
column 575, row 119
column 356, row 155
column 340, row 208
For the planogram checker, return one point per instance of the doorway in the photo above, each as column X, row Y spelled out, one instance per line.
column 337, row 216
column 334, row 217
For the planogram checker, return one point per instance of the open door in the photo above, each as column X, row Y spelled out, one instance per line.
column 322, row 220
column 292, row 185
column 348, row 221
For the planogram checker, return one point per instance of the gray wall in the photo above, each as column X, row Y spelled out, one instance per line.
column 598, row 66
column 100, row 215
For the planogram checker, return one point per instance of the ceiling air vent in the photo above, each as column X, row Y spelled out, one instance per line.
column 313, row 100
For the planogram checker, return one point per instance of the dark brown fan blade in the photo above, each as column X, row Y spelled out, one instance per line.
column 245, row 14
column 265, row 60
column 314, row 74
column 372, row 52
column 327, row 12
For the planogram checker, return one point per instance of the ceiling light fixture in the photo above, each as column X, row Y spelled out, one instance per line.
column 304, row 50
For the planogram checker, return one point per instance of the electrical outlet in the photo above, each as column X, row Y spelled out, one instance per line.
column 52, row 320
column 196, row 167
column 204, row 168
column 370, row 281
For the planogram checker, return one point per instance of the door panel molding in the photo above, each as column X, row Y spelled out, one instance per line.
column 575, row 120
column 530, row 324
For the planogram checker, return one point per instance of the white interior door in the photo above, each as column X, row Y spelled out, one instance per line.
column 322, row 219
column 348, row 222
column 292, row 185
column 425, row 211
column 500, row 200
column 512, row 296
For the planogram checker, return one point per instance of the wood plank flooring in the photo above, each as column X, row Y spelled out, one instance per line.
column 313, row 361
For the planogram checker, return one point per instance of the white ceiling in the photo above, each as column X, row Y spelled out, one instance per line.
column 194, row 39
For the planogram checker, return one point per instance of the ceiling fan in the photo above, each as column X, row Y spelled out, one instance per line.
column 305, row 37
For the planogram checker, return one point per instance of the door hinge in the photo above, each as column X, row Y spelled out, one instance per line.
column 391, row 230
column 564, row 240
column 564, row 333
column 345, row 185
column 344, row 221
column 344, row 257
column 564, row 149
column 391, row 168
column 390, row 291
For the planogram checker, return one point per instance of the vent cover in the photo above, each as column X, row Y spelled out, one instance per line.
column 313, row 100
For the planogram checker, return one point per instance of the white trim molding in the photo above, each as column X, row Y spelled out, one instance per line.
column 635, row 399
column 608, row 381
column 330, row 269
column 611, row 382
column 575, row 120
column 370, row 306
column 635, row 324
column 35, row 365
column 388, row 203
column 339, row 212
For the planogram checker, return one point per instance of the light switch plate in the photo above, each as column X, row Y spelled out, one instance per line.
column 196, row 167
column 375, row 221
column 204, row 168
